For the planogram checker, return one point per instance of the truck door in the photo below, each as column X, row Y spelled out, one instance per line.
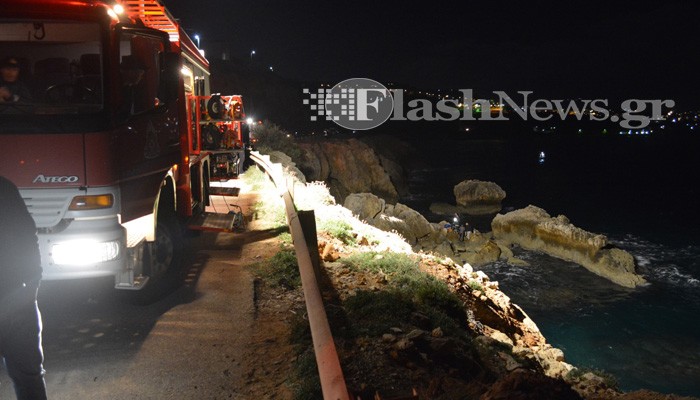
column 147, row 137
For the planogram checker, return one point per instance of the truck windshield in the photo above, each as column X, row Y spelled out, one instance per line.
column 50, row 68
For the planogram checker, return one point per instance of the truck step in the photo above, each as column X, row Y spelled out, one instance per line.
column 223, row 191
column 216, row 222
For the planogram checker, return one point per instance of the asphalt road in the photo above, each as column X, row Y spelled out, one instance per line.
column 187, row 345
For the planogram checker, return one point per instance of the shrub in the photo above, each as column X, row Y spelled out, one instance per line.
column 270, row 137
column 474, row 285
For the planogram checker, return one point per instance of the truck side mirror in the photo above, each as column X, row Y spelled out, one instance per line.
column 171, row 64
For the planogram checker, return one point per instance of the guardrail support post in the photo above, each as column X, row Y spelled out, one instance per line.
column 307, row 219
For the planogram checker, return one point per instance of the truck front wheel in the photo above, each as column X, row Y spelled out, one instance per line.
column 168, row 246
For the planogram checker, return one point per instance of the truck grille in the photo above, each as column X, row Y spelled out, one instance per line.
column 47, row 210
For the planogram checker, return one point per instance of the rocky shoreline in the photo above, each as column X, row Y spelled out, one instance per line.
column 356, row 178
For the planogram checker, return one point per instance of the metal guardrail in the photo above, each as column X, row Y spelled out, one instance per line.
column 331, row 375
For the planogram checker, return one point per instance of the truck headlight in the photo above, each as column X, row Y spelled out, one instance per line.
column 84, row 252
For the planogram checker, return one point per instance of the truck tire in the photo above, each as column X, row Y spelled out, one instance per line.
column 212, row 137
column 168, row 247
column 216, row 107
column 164, row 256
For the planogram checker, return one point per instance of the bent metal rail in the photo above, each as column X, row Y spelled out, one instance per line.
column 331, row 375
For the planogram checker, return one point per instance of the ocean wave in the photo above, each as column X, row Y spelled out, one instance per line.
column 663, row 263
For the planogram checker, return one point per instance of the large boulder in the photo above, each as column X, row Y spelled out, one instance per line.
column 365, row 205
column 406, row 221
column 400, row 218
column 534, row 229
column 479, row 197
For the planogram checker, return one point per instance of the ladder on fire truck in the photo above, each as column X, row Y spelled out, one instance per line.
column 153, row 15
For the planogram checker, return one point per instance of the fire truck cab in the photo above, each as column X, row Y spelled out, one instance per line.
column 104, row 143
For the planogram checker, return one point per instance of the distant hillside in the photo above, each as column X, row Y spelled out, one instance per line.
column 266, row 95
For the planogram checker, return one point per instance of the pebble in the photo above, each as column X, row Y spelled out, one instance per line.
column 415, row 334
column 388, row 337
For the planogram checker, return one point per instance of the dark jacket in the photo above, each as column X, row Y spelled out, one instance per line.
column 20, row 261
column 20, row 91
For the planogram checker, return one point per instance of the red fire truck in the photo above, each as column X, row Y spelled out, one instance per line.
column 105, row 143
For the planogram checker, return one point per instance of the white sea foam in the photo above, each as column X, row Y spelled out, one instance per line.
column 661, row 263
column 642, row 261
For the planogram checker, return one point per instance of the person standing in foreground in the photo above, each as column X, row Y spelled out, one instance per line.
column 20, row 274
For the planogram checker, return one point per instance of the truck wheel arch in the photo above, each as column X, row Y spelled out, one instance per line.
column 166, row 197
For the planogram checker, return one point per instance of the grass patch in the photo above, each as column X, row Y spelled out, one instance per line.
column 272, row 214
column 387, row 262
column 373, row 313
column 409, row 290
column 312, row 196
column 339, row 229
column 307, row 385
column 255, row 178
column 280, row 270
column 305, row 382
column 285, row 238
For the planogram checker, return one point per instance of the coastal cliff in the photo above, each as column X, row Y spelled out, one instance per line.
column 349, row 166
column 501, row 341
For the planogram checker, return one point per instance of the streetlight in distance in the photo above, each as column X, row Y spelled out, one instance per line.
column 252, row 53
column 196, row 37
column 271, row 69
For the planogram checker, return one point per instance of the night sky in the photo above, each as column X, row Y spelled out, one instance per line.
column 614, row 50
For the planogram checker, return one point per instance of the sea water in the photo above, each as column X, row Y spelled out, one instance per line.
column 639, row 191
